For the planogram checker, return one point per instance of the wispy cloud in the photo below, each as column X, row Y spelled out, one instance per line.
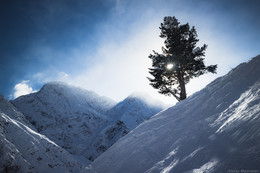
column 22, row 88
column 120, row 64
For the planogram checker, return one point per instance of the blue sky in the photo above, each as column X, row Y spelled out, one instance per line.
column 104, row 45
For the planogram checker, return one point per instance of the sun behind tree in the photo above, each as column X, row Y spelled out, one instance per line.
column 181, row 59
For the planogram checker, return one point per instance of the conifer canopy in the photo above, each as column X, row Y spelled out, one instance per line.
column 181, row 60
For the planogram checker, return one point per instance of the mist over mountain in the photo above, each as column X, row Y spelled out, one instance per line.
column 136, row 109
column 81, row 121
column 63, row 128
column 214, row 130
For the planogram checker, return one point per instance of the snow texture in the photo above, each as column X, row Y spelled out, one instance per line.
column 214, row 130
column 135, row 109
column 22, row 149
column 80, row 121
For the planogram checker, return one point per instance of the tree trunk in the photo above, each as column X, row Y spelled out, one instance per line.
column 182, row 86
column 183, row 90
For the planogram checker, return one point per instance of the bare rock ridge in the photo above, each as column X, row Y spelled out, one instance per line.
column 214, row 130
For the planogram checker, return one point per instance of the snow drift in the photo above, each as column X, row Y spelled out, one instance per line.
column 215, row 130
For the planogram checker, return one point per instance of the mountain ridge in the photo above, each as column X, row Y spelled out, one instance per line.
column 22, row 149
column 79, row 120
column 214, row 130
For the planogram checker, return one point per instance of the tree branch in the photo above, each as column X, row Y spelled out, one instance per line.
column 178, row 98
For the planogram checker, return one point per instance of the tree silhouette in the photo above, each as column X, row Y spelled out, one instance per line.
column 181, row 59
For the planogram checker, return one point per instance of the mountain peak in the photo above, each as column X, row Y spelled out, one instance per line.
column 146, row 98
column 135, row 109
column 79, row 120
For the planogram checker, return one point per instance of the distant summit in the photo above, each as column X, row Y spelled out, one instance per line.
column 78, row 97
column 135, row 109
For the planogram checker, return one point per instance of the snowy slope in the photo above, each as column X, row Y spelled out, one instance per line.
column 124, row 117
column 76, row 119
column 215, row 130
column 8, row 109
column 24, row 150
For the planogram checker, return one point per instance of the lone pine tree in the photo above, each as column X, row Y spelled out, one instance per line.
column 181, row 59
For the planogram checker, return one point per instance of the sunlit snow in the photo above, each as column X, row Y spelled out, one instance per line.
column 214, row 130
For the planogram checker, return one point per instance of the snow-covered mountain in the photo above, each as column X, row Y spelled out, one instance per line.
column 135, row 109
column 22, row 149
column 215, row 130
column 78, row 120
